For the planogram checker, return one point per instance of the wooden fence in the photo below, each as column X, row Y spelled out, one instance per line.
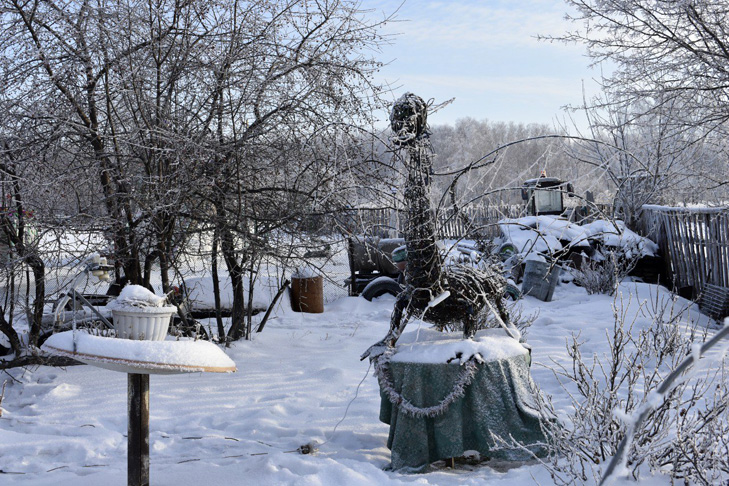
column 694, row 243
column 472, row 221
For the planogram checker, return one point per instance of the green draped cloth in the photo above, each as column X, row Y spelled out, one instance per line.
column 498, row 402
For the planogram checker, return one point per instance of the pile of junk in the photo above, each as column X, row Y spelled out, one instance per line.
column 536, row 251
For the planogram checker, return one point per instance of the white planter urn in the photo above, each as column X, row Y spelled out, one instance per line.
column 142, row 323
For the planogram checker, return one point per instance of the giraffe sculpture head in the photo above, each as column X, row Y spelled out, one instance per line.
column 408, row 119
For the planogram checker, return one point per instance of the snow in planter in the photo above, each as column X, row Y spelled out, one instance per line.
column 137, row 298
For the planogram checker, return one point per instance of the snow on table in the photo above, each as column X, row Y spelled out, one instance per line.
column 432, row 346
column 143, row 357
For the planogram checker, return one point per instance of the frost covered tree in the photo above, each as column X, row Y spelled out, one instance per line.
column 645, row 159
column 665, row 66
column 287, row 77
column 78, row 68
column 184, row 117
column 661, row 51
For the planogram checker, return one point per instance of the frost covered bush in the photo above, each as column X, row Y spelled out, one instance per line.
column 685, row 438
column 603, row 277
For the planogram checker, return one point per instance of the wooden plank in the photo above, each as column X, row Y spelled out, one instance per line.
column 698, row 248
column 680, row 279
column 691, row 250
column 138, row 430
column 716, row 242
column 658, row 230
column 677, row 251
column 687, row 248
column 722, row 239
column 713, row 270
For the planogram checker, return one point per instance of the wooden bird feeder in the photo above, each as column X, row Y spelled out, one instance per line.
column 139, row 359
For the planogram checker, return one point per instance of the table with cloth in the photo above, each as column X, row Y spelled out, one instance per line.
column 443, row 395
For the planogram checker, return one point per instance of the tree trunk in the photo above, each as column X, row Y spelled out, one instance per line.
column 164, row 269
column 216, row 287
column 236, row 271
column 249, row 310
column 148, row 262
column 7, row 329
column 39, row 270
column 165, row 238
column 126, row 252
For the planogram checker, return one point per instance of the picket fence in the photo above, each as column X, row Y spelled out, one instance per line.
column 470, row 222
column 694, row 243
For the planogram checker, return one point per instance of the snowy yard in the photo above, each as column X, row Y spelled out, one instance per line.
column 294, row 385
column 183, row 141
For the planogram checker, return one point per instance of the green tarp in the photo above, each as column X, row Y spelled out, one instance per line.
column 499, row 402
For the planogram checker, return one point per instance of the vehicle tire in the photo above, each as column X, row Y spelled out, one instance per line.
column 506, row 251
column 512, row 292
column 381, row 286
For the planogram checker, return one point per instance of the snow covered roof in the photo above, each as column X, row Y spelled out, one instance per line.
column 691, row 209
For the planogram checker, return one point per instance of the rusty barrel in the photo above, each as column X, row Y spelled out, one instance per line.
column 307, row 294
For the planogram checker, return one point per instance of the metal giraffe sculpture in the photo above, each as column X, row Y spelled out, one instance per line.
column 440, row 293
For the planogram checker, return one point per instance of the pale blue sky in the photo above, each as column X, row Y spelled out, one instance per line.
column 486, row 55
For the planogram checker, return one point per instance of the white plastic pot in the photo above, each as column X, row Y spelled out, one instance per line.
column 148, row 323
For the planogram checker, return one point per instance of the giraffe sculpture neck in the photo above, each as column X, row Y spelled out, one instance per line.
column 423, row 272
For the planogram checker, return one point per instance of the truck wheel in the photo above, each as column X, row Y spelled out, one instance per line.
column 506, row 251
column 512, row 292
column 381, row 286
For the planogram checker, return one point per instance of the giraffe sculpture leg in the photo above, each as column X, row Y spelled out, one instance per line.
column 503, row 312
column 470, row 324
column 398, row 321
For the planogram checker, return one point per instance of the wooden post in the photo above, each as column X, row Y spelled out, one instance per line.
column 138, row 430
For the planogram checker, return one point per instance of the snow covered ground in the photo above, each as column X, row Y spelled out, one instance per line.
column 298, row 381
